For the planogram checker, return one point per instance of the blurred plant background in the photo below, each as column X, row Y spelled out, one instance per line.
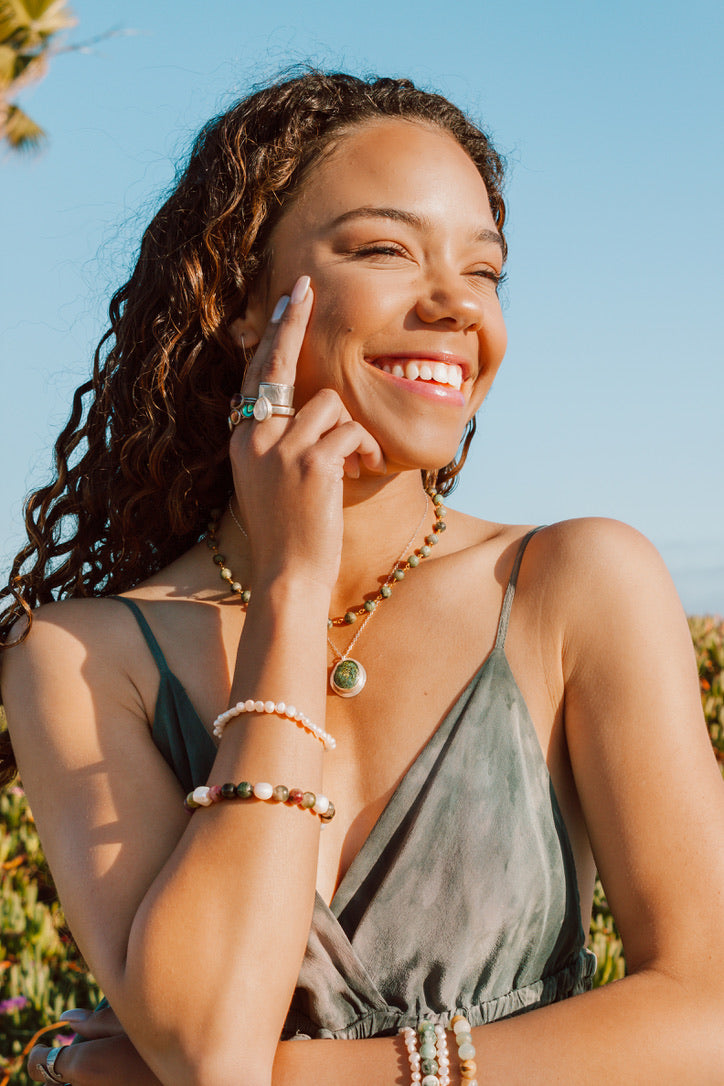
column 42, row 973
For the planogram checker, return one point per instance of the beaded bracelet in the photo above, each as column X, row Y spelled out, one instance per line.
column 431, row 1065
column 278, row 708
column 466, row 1049
column 206, row 795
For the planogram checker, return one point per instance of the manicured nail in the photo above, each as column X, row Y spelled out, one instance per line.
column 76, row 1014
column 279, row 309
column 300, row 289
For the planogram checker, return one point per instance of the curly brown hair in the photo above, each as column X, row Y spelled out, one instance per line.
column 138, row 471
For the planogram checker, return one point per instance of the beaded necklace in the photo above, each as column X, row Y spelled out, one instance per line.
column 348, row 676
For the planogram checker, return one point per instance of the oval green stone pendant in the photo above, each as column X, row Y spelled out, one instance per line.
column 348, row 678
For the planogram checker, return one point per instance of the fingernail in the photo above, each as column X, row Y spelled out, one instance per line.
column 279, row 309
column 300, row 289
column 77, row 1014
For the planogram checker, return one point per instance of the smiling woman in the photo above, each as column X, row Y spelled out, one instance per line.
column 179, row 678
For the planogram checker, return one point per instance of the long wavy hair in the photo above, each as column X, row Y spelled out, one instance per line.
column 143, row 457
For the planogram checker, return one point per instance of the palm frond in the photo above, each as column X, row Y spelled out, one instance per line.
column 19, row 130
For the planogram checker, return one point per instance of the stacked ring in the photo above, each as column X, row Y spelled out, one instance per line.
column 271, row 399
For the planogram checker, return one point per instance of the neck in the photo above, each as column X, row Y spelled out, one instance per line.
column 380, row 516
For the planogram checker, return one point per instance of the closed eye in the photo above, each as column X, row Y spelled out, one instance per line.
column 381, row 250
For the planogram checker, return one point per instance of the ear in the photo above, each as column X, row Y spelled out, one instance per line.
column 247, row 331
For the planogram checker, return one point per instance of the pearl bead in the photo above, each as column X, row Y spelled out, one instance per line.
column 269, row 706
column 201, row 796
column 263, row 790
column 259, row 706
column 322, row 805
column 249, row 705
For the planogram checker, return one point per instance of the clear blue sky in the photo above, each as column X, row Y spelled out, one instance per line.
column 610, row 114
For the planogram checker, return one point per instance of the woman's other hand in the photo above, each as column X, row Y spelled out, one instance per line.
column 106, row 1058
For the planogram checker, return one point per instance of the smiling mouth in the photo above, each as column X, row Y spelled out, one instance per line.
column 420, row 369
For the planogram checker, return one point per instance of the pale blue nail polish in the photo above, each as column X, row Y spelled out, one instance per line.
column 279, row 309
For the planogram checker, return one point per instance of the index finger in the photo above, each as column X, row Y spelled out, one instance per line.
column 275, row 360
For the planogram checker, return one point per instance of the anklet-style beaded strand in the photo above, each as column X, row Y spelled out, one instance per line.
column 276, row 708
column 466, row 1049
column 207, row 795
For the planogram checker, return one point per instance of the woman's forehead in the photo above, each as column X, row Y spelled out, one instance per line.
column 393, row 163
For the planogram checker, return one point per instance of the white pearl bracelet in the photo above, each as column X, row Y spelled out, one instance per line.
column 277, row 708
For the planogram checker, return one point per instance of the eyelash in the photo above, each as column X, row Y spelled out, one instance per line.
column 392, row 250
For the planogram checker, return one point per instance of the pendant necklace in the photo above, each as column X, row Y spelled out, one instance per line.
column 348, row 676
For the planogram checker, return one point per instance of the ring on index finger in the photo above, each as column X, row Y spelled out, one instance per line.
column 47, row 1070
column 273, row 399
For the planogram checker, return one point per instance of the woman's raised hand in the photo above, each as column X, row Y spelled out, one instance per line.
column 289, row 472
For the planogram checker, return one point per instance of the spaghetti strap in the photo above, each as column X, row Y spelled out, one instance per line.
column 510, row 590
column 147, row 633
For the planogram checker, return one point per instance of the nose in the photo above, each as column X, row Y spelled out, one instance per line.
column 447, row 299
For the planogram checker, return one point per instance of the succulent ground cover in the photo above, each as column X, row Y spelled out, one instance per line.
column 42, row 973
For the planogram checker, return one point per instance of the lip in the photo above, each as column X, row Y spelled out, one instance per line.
column 441, row 394
column 425, row 356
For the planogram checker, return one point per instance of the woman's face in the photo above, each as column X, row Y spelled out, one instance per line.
column 395, row 229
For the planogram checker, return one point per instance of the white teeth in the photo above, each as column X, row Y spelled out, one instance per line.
column 441, row 373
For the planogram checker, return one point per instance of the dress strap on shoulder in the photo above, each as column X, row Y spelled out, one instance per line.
column 146, row 631
column 510, row 590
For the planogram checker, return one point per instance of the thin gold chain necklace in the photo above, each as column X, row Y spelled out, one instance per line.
column 348, row 676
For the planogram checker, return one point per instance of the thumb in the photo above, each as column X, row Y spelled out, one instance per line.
column 93, row 1025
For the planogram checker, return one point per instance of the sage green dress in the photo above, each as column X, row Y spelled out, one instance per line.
column 464, row 895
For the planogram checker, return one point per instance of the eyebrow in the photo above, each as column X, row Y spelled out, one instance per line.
column 397, row 214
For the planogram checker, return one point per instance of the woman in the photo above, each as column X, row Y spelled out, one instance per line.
column 506, row 722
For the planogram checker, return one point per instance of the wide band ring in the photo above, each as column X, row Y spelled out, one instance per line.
column 278, row 395
column 48, row 1071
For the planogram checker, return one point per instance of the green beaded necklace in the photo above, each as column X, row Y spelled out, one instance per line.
column 348, row 676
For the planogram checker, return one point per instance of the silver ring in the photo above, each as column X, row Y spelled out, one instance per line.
column 241, row 411
column 264, row 409
column 48, row 1071
column 278, row 395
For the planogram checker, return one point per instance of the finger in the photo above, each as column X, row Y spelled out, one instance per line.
column 276, row 357
column 100, row 1023
column 325, row 414
column 38, row 1058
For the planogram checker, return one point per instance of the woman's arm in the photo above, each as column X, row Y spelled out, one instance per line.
column 196, row 926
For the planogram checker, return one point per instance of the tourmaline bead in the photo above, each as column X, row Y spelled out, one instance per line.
column 466, row 1052
column 439, row 526
column 431, row 540
column 350, row 617
column 370, row 605
column 399, row 574
column 425, row 550
column 246, row 595
column 281, row 793
column 219, row 559
column 437, row 499
column 244, row 790
column 413, row 561
column 308, row 800
column 228, row 791
column 386, row 591
column 215, row 793
column 296, row 795
column 329, row 813
column 190, row 803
